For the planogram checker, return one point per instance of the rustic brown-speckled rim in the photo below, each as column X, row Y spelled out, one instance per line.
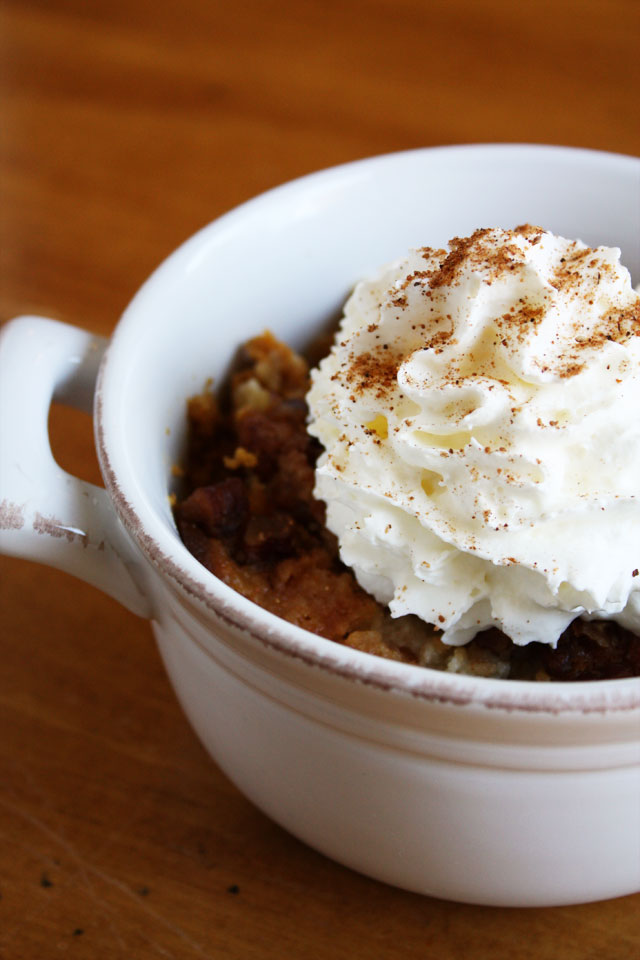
column 195, row 583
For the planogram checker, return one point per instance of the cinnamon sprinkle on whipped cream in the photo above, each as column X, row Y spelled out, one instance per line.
column 479, row 417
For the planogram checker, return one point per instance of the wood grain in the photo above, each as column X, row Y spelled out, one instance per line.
column 126, row 126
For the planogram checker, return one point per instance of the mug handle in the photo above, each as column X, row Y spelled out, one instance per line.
column 46, row 514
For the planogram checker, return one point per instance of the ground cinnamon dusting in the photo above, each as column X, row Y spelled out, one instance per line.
column 377, row 370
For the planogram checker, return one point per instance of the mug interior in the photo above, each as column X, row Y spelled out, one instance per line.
column 286, row 262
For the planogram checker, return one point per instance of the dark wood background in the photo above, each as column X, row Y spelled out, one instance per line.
column 126, row 125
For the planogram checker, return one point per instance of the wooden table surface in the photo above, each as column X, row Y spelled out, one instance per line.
column 126, row 125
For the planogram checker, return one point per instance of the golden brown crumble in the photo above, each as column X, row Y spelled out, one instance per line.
column 247, row 512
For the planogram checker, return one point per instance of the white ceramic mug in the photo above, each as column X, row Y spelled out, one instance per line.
column 487, row 791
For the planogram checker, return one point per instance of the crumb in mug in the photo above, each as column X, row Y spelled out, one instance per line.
column 248, row 514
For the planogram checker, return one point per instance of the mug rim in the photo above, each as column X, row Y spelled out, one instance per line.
column 197, row 584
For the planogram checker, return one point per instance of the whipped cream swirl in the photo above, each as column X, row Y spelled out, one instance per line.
column 480, row 414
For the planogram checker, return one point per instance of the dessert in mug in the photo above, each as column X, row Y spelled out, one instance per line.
column 459, row 487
